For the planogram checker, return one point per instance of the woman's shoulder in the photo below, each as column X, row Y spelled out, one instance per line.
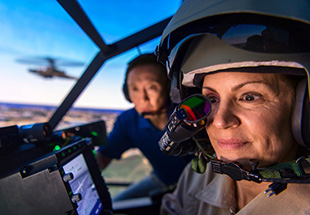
column 190, row 176
column 293, row 200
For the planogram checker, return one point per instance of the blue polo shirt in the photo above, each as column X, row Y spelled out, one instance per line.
column 133, row 131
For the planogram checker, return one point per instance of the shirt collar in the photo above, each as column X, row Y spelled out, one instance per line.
column 219, row 192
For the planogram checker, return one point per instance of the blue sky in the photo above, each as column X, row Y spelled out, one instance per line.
column 31, row 28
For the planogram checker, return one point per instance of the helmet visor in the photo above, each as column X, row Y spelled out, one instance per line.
column 255, row 33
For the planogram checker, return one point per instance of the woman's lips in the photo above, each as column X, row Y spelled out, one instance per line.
column 231, row 143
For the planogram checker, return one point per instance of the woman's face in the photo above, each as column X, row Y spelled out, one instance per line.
column 251, row 117
column 147, row 89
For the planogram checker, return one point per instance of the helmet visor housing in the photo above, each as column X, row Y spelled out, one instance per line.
column 242, row 42
column 251, row 32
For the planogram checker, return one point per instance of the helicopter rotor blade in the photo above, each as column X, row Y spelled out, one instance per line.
column 49, row 61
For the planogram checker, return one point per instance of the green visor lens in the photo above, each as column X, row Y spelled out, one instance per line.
column 197, row 107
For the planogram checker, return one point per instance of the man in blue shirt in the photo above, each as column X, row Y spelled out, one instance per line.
column 147, row 87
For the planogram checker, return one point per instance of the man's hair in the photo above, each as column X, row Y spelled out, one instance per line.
column 145, row 59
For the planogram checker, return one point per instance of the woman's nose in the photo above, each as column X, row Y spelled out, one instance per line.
column 225, row 116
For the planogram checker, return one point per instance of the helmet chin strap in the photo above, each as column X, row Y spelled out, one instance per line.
column 297, row 171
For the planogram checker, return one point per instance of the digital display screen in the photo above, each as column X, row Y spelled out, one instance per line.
column 83, row 184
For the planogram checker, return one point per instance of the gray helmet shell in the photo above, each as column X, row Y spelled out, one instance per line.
column 188, row 51
column 192, row 10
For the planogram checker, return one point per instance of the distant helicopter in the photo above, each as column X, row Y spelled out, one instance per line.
column 49, row 69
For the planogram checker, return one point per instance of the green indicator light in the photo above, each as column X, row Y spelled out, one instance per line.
column 63, row 154
column 70, row 193
column 94, row 133
column 69, row 150
column 94, row 151
column 56, row 148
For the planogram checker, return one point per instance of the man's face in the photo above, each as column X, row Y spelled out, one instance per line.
column 147, row 89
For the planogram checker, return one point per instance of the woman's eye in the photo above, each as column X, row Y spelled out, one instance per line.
column 211, row 95
column 249, row 97
column 213, row 100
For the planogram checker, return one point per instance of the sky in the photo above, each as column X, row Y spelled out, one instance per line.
column 32, row 29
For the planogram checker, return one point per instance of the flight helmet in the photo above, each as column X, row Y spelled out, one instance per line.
column 209, row 36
